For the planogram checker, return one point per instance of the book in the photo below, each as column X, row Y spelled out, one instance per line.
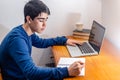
column 66, row 62
column 81, row 37
column 84, row 32
column 80, row 34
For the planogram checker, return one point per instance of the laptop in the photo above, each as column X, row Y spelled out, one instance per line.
column 92, row 47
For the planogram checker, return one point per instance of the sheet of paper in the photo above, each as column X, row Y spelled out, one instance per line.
column 65, row 62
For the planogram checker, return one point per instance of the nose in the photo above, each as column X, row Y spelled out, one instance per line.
column 44, row 24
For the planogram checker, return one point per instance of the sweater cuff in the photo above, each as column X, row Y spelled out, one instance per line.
column 64, row 39
column 65, row 72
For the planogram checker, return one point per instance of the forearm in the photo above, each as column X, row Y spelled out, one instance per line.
column 43, row 73
column 44, row 43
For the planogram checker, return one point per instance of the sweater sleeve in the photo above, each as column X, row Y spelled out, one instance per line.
column 19, row 52
column 44, row 43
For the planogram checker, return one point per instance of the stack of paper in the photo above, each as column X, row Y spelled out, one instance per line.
column 66, row 62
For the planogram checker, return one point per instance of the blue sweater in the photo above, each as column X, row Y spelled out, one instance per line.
column 16, row 61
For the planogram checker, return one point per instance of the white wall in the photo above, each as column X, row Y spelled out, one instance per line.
column 64, row 15
column 11, row 12
column 111, row 19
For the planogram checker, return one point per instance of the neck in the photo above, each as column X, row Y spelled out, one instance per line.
column 27, row 29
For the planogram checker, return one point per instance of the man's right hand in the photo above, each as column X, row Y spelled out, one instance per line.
column 75, row 68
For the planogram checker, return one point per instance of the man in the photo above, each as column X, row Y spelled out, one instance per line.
column 15, row 50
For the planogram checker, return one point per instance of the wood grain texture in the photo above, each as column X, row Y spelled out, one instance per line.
column 105, row 66
column 0, row 76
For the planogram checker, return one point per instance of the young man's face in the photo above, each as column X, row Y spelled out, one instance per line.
column 39, row 23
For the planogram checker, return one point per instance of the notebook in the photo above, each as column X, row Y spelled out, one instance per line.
column 93, row 46
column 66, row 62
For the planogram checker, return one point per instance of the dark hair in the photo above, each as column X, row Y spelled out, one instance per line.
column 35, row 7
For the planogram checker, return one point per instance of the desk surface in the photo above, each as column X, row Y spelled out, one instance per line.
column 105, row 66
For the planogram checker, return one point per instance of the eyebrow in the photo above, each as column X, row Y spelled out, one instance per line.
column 42, row 18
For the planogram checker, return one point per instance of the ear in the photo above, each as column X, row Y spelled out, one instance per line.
column 28, row 19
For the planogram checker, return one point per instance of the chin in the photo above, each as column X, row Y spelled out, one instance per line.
column 39, row 32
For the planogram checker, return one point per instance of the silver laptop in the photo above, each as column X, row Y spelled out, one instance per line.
column 92, row 47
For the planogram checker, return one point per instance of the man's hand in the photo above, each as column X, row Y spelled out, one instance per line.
column 75, row 68
column 72, row 42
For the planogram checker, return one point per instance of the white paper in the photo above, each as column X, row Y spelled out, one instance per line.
column 66, row 62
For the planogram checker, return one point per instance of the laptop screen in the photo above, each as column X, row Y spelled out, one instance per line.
column 96, row 36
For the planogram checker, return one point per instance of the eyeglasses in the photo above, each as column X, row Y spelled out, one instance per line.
column 42, row 19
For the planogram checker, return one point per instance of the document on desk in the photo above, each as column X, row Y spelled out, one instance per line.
column 66, row 62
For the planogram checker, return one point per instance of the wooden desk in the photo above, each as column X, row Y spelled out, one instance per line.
column 0, row 75
column 105, row 66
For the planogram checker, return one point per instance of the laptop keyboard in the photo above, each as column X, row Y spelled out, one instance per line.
column 85, row 48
